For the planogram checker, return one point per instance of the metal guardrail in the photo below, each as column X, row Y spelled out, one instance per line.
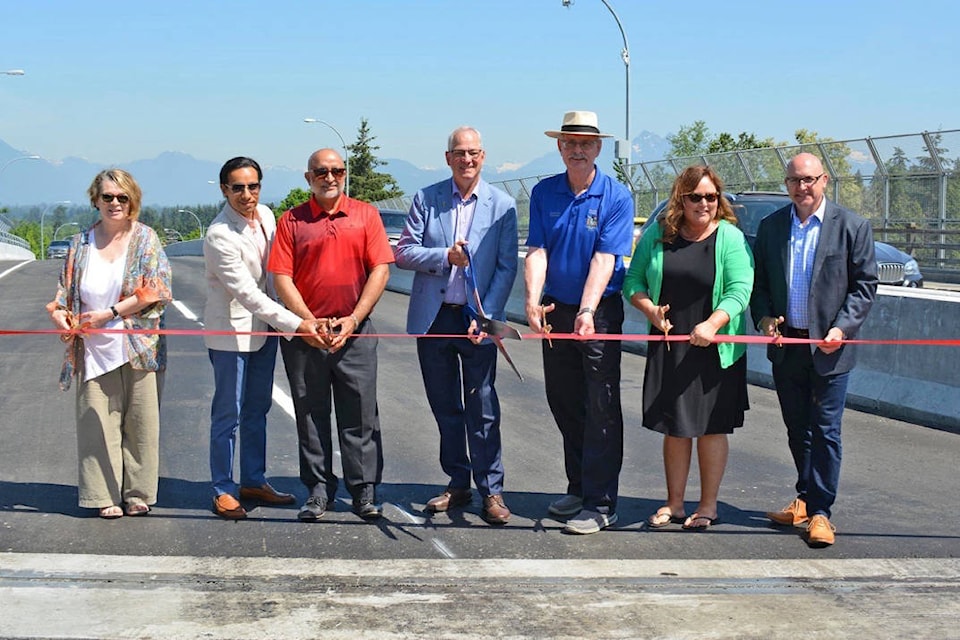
column 9, row 238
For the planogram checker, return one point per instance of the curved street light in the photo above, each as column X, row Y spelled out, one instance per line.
column 17, row 159
column 43, row 249
column 625, row 56
column 65, row 224
column 346, row 155
column 13, row 72
column 195, row 217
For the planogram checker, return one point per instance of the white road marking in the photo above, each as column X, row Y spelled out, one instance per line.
column 280, row 397
column 189, row 315
column 14, row 268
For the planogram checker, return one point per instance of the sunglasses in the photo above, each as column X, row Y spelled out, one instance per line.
column 122, row 198
column 696, row 197
column 321, row 172
column 253, row 187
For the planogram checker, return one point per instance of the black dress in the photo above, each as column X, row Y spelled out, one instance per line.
column 685, row 391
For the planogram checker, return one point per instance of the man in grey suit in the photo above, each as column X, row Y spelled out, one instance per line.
column 458, row 223
column 240, row 297
column 816, row 278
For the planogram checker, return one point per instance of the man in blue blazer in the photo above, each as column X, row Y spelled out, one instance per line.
column 816, row 278
column 449, row 221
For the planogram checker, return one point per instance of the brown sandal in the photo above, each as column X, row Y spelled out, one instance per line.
column 663, row 517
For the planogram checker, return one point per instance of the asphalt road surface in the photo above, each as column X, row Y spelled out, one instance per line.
column 182, row 572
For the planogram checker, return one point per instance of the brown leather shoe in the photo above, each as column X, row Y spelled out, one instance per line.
column 450, row 498
column 494, row 511
column 226, row 506
column 266, row 495
column 820, row 531
column 794, row 515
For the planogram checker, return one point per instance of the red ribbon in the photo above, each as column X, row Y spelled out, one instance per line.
column 624, row 337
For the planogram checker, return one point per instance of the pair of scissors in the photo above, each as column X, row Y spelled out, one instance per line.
column 496, row 329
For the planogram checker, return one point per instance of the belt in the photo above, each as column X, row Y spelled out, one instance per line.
column 450, row 305
column 793, row 332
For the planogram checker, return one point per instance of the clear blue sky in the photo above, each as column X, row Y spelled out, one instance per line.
column 125, row 81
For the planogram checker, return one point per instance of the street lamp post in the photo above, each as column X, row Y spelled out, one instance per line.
column 43, row 249
column 17, row 159
column 625, row 56
column 195, row 217
column 346, row 155
column 65, row 224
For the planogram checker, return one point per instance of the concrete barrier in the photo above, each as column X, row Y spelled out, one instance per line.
column 13, row 252
column 918, row 384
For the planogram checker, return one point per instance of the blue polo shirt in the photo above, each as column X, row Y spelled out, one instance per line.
column 573, row 228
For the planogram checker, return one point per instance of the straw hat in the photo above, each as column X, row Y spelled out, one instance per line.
column 579, row 123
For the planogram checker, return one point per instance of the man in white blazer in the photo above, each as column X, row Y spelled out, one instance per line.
column 240, row 297
column 449, row 220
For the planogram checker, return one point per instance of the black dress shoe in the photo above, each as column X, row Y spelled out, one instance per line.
column 312, row 509
column 367, row 510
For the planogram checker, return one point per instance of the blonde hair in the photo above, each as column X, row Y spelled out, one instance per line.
column 125, row 181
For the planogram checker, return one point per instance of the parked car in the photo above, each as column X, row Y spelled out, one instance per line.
column 894, row 267
column 57, row 249
column 393, row 222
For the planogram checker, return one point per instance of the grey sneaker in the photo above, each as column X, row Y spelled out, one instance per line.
column 312, row 509
column 590, row 522
column 568, row 505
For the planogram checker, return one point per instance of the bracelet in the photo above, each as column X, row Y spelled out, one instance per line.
column 585, row 310
column 113, row 310
column 356, row 323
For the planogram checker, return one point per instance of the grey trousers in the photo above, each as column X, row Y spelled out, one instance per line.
column 347, row 380
column 118, row 437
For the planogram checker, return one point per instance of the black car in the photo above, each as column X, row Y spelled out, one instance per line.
column 894, row 267
column 393, row 222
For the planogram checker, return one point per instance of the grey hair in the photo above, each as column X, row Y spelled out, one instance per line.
column 453, row 136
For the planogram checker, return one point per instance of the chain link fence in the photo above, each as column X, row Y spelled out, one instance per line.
column 908, row 186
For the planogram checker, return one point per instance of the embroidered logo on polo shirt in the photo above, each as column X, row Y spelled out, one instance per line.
column 592, row 219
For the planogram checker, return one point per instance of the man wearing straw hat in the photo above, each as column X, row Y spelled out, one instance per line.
column 581, row 226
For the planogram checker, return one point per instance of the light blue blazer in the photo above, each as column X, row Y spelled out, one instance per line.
column 429, row 233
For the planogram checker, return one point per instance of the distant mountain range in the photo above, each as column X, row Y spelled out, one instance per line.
column 173, row 178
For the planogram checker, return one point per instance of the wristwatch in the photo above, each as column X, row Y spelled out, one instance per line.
column 113, row 310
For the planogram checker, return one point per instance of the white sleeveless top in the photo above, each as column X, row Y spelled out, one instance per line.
column 100, row 289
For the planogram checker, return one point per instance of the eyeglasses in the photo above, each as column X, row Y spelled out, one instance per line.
column 697, row 197
column 571, row 143
column 122, row 198
column 806, row 180
column 460, row 154
column 321, row 172
column 253, row 187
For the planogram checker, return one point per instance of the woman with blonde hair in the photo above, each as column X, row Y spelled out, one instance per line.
column 115, row 276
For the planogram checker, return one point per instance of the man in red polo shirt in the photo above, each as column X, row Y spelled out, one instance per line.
column 331, row 261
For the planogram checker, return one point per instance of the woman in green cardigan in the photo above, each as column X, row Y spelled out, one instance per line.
column 691, row 275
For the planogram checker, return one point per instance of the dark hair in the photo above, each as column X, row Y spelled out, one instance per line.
column 685, row 183
column 240, row 162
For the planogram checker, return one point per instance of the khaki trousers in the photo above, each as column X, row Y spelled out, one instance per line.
column 118, row 437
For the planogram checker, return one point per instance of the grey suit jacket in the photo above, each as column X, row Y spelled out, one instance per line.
column 842, row 288
column 492, row 242
column 240, row 294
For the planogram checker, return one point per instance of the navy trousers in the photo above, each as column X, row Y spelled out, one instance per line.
column 459, row 377
column 812, row 407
